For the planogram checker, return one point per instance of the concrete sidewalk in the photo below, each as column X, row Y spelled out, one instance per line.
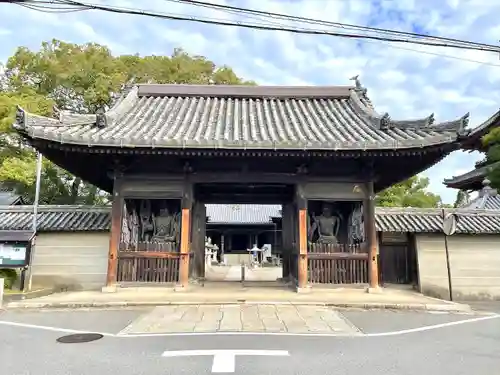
column 233, row 293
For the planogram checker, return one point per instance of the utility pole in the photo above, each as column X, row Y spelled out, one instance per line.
column 35, row 216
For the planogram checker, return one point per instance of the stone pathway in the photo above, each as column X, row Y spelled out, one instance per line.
column 242, row 318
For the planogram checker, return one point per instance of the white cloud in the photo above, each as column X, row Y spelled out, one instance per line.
column 400, row 78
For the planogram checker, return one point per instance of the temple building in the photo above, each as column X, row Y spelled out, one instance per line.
column 473, row 181
column 167, row 151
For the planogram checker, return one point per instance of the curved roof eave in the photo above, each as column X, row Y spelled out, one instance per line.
column 477, row 174
column 473, row 140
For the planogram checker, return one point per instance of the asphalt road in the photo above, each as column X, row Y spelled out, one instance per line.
column 395, row 342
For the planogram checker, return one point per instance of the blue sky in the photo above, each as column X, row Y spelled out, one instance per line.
column 407, row 81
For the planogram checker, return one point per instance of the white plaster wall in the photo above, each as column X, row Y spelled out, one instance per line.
column 474, row 266
column 432, row 270
column 76, row 261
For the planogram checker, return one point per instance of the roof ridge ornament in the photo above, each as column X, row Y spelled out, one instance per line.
column 21, row 117
column 56, row 112
column 459, row 125
column 431, row 119
column 426, row 122
column 487, row 190
column 386, row 122
column 359, row 88
column 101, row 120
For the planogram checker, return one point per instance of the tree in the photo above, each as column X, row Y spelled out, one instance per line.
column 462, row 199
column 492, row 141
column 409, row 193
column 80, row 78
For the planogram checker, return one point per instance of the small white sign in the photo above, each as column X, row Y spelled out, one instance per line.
column 12, row 252
column 225, row 360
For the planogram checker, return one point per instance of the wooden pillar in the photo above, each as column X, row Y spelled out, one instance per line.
column 287, row 238
column 302, row 238
column 198, row 232
column 275, row 241
column 115, row 234
column 222, row 247
column 371, row 235
column 187, row 204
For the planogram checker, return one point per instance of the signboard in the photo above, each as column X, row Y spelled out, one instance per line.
column 13, row 255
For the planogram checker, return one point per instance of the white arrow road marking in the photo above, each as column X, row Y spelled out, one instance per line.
column 224, row 360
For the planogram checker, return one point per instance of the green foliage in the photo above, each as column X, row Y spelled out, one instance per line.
column 462, row 199
column 81, row 78
column 409, row 193
column 76, row 77
column 9, row 277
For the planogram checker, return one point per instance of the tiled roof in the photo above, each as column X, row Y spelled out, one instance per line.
column 242, row 213
column 242, row 117
column 56, row 218
column 416, row 220
column 488, row 198
column 487, row 203
column 8, row 198
column 86, row 218
column 472, row 178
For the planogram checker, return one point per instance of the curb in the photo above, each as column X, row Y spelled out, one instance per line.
column 365, row 306
column 21, row 296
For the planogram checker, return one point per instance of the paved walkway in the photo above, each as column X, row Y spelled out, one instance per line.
column 220, row 293
column 242, row 318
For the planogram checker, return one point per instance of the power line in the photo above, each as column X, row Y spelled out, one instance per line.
column 136, row 11
column 465, row 45
column 321, row 22
column 230, row 11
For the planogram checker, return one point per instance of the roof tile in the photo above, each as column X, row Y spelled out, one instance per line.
column 242, row 214
column 88, row 218
column 239, row 117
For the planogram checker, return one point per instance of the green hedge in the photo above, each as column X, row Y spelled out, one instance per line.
column 9, row 275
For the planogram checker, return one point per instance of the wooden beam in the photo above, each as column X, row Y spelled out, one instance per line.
column 114, row 238
column 235, row 177
column 337, row 256
column 147, row 254
column 371, row 235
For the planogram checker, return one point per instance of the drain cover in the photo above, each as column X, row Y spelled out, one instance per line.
column 79, row 338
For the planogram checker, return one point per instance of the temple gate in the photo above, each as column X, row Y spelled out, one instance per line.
column 167, row 150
